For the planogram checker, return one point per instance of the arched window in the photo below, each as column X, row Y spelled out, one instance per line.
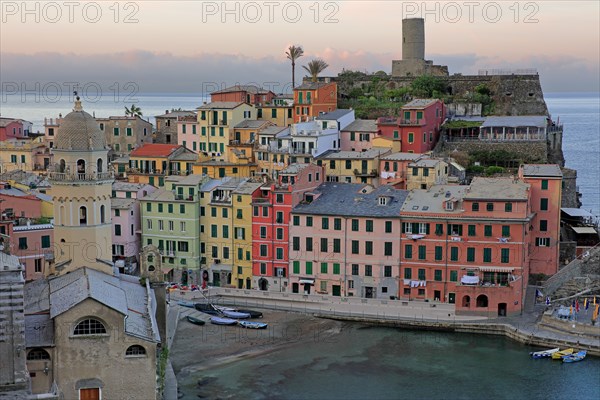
column 102, row 213
column 482, row 301
column 81, row 166
column 62, row 166
column 38, row 354
column 99, row 166
column 62, row 215
column 82, row 215
column 89, row 326
column 466, row 301
column 135, row 350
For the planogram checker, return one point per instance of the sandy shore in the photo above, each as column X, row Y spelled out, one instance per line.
column 197, row 348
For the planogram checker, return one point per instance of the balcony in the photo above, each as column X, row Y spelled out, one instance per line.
column 366, row 173
column 145, row 171
column 80, row 177
column 184, row 197
column 221, row 200
column 412, row 122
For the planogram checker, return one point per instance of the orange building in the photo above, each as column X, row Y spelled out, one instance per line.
column 249, row 94
column 312, row 98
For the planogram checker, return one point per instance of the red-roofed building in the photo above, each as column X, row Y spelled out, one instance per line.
column 313, row 98
column 13, row 128
column 249, row 94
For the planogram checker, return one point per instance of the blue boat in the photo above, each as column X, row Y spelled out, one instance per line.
column 252, row 325
column 253, row 314
column 222, row 321
column 184, row 303
column 544, row 353
column 235, row 314
column 575, row 357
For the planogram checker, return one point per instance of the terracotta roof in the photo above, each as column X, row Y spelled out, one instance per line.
column 154, row 150
column 243, row 88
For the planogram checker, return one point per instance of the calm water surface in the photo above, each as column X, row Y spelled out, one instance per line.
column 386, row 363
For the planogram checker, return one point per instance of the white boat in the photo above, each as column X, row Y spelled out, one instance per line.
column 544, row 353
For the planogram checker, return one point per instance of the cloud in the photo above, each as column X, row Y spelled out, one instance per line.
column 163, row 72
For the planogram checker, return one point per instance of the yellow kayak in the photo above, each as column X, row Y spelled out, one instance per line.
column 559, row 354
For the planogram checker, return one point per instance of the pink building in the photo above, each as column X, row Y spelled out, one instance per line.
column 12, row 128
column 394, row 168
column 188, row 132
column 14, row 203
column 544, row 229
column 126, row 236
column 33, row 244
column 345, row 241
column 359, row 135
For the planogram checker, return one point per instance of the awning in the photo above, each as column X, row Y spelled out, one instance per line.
column 309, row 281
column 469, row 280
column 166, row 270
column 584, row 230
column 577, row 212
column 496, row 269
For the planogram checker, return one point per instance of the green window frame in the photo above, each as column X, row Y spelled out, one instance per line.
column 388, row 226
column 45, row 241
column 489, row 206
column 505, row 230
column 487, row 255
column 504, row 256
column 170, row 208
column 369, row 225
column 543, row 225
column 324, row 223
column 323, row 267
column 296, row 267
column 116, row 131
column 475, row 206
column 453, row 276
column 453, row 253
column 337, row 244
column 368, row 248
column 148, row 207
column 355, row 245
column 437, row 275
column 407, row 273
column 439, row 229
column 160, row 207
column 309, row 221
column 470, row 254
column 487, row 230
column 472, row 230
column 336, row 268
column 507, row 207
column 544, row 184
column 388, row 248
column 422, row 252
column 296, row 243
column 182, row 208
column 128, row 131
column 308, row 267
column 544, row 204
column 355, row 225
column 337, row 224
column 408, row 251
column 439, row 253
column 411, row 137
column 422, row 274
column 296, row 220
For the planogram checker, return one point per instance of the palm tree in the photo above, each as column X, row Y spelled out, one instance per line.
column 294, row 53
column 133, row 111
column 315, row 67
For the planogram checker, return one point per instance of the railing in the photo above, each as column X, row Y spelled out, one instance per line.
column 185, row 197
column 226, row 200
column 72, row 177
column 526, row 71
column 417, row 122
column 365, row 172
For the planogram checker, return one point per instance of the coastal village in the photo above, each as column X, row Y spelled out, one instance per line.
column 449, row 197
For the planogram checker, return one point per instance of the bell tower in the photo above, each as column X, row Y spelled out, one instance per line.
column 81, row 189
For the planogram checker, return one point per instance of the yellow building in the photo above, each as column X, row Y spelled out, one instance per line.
column 216, row 122
column 393, row 144
column 226, row 230
column 280, row 114
column 353, row 166
column 24, row 155
column 425, row 173
column 151, row 163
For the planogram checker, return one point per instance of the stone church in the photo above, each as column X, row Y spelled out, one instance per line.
column 90, row 332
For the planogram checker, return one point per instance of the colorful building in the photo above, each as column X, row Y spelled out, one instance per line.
column 152, row 163
column 393, row 168
column 126, row 221
column 33, row 243
column 544, row 229
column 188, row 132
column 166, row 126
column 345, row 241
column 30, row 155
column 426, row 172
column 224, row 238
column 269, row 154
column 313, row 98
column 271, row 207
column 353, row 166
column 358, row 135
column 125, row 134
column 170, row 221
column 216, row 122
column 14, row 128
column 418, row 127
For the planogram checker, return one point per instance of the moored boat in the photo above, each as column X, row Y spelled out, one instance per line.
column 221, row 308
column 206, row 308
column 184, row 303
column 222, row 321
column 560, row 354
column 252, row 325
column 253, row 314
column 580, row 355
column 544, row 353
column 235, row 314
column 195, row 321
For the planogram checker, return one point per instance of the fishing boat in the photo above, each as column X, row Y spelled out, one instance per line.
column 253, row 314
column 580, row 355
column 222, row 321
column 206, row 308
column 195, row 321
column 544, row 353
column 184, row 303
column 235, row 314
column 252, row 325
column 560, row 354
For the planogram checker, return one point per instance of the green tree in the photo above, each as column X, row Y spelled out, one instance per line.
column 133, row 111
column 294, row 53
column 315, row 67
column 427, row 85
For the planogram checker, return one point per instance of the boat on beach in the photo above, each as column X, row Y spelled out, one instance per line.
column 544, row 353
column 560, row 354
column 235, row 314
column 206, row 308
column 253, row 314
column 580, row 355
column 222, row 321
column 184, row 303
column 195, row 321
column 252, row 325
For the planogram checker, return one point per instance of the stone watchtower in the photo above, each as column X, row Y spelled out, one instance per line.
column 413, row 61
column 81, row 189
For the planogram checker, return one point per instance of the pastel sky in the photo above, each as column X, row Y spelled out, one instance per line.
column 184, row 46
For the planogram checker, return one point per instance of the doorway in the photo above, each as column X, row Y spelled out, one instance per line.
column 336, row 290
column 263, row 284
column 502, row 309
column 437, row 295
column 240, row 283
column 451, row 298
column 368, row 292
column 295, row 287
column 307, row 288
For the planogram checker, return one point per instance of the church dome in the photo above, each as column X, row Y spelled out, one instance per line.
column 79, row 131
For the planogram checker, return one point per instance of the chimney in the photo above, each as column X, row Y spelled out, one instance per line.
column 166, row 111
